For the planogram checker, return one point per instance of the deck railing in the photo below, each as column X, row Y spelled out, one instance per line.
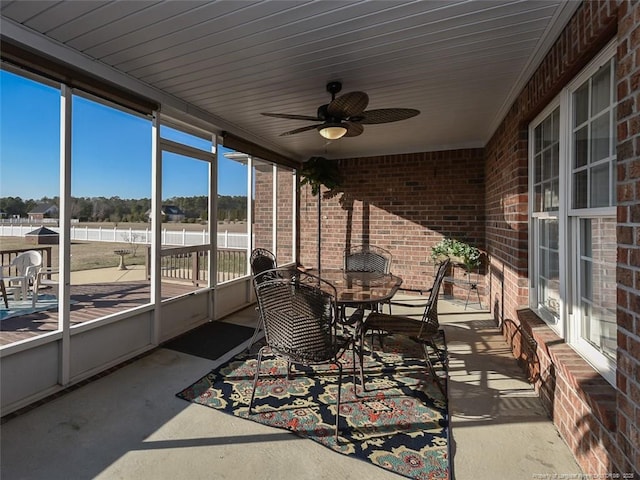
column 7, row 256
column 232, row 263
column 189, row 264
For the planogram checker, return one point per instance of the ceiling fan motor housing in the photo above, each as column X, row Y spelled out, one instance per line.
column 333, row 88
column 323, row 115
column 322, row 112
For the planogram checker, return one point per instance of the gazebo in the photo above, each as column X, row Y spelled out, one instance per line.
column 42, row 236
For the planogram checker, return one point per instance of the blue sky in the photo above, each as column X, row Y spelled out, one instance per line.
column 111, row 150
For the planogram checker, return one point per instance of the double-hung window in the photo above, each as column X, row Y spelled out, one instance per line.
column 572, row 214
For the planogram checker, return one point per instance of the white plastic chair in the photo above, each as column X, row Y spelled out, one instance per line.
column 26, row 266
column 44, row 279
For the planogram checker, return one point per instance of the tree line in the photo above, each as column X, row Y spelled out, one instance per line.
column 116, row 209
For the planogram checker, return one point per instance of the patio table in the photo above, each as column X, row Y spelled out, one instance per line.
column 361, row 289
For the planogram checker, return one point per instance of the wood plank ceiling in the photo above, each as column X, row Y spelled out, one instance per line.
column 460, row 63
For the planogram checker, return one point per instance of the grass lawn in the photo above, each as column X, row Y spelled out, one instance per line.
column 90, row 255
column 84, row 255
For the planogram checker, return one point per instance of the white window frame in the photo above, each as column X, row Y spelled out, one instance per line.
column 568, row 324
column 557, row 324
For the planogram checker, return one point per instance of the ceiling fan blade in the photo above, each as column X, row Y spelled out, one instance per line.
column 353, row 129
column 291, row 117
column 387, row 115
column 300, row 130
column 348, row 105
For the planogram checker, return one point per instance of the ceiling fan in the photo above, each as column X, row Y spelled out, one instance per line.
column 345, row 116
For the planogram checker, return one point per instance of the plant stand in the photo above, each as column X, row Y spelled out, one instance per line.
column 466, row 282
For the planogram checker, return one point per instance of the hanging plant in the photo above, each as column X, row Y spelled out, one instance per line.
column 318, row 171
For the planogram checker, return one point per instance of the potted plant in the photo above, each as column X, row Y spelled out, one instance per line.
column 458, row 251
column 318, row 171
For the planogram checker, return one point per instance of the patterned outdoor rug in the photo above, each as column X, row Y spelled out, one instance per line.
column 18, row 308
column 400, row 423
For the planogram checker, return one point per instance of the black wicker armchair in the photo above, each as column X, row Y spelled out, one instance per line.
column 423, row 330
column 260, row 260
column 367, row 258
column 300, row 318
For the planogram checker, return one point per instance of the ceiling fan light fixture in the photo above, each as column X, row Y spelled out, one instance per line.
column 332, row 131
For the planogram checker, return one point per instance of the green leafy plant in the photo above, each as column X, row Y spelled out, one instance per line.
column 458, row 251
column 318, row 171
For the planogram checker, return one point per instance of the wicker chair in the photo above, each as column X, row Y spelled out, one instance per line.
column 367, row 258
column 423, row 331
column 260, row 260
column 299, row 314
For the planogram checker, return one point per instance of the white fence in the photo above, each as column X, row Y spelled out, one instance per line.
column 139, row 236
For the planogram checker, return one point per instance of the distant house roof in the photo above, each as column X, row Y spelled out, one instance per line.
column 43, row 208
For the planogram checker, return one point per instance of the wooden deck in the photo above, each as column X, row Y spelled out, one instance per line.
column 89, row 301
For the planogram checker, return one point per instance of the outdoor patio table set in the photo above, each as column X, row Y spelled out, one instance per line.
column 304, row 311
column 315, row 323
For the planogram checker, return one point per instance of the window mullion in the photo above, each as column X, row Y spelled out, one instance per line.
column 565, row 173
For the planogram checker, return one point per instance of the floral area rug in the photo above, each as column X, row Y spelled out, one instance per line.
column 400, row 422
column 18, row 308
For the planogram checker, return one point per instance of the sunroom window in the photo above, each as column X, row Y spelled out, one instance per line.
column 572, row 198
column 546, row 206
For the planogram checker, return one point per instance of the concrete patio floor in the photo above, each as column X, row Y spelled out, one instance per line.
column 130, row 425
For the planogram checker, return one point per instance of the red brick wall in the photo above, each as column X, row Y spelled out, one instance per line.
column 285, row 215
column 598, row 422
column 628, row 231
column 263, row 212
column 403, row 203
column 407, row 202
column 591, row 28
column 263, row 208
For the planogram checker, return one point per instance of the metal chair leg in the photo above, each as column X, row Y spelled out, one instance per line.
column 432, row 371
column 255, row 334
column 255, row 381
column 338, row 400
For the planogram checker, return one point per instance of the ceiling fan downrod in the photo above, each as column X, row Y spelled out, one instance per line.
column 333, row 88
